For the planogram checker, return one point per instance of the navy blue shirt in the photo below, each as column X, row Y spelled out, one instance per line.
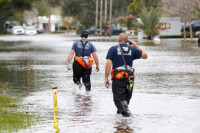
column 78, row 48
column 114, row 54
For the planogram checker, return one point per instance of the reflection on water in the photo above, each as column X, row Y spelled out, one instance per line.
column 83, row 105
column 166, row 95
column 123, row 126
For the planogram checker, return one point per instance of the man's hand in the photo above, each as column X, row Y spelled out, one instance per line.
column 133, row 44
column 107, row 84
column 107, row 72
column 97, row 68
column 71, row 54
column 68, row 68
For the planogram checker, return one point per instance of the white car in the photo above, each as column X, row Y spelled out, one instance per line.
column 30, row 30
column 17, row 30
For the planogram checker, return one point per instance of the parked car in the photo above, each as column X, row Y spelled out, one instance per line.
column 30, row 30
column 92, row 30
column 195, row 26
column 40, row 30
column 116, row 30
column 17, row 30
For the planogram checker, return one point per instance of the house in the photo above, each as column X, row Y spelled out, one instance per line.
column 42, row 22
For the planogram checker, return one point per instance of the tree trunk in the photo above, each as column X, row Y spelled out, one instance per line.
column 184, row 32
column 49, row 23
column 76, row 26
column 191, row 35
column 37, row 21
column 110, row 32
column 101, row 11
column 96, row 21
column 1, row 27
column 105, row 21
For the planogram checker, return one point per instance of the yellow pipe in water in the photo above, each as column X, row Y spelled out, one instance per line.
column 55, row 107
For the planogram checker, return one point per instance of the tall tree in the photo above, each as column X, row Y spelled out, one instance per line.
column 187, row 10
column 11, row 7
column 136, row 6
column 120, row 7
column 52, row 4
column 150, row 18
column 149, row 11
column 83, row 12
column 41, row 8
column 197, row 8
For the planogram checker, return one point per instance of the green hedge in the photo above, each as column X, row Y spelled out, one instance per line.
column 180, row 36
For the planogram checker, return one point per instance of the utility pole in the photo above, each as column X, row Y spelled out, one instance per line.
column 96, row 22
column 105, row 21
column 101, row 11
column 110, row 18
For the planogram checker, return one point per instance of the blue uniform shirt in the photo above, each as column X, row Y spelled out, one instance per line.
column 114, row 54
column 78, row 48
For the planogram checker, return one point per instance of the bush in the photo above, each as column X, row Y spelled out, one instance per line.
column 180, row 36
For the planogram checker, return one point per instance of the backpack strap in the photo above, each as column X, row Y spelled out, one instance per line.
column 83, row 47
column 123, row 56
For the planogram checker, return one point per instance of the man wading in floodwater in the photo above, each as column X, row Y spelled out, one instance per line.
column 121, row 58
column 82, row 66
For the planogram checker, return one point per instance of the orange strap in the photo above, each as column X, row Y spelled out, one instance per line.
column 83, row 63
column 120, row 75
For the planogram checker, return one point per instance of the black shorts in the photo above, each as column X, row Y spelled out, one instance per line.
column 120, row 91
column 80, row 72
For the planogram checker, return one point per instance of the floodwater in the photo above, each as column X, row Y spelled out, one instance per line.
column 166, row 96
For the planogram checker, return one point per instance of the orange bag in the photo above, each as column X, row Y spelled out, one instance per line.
column 82, row 62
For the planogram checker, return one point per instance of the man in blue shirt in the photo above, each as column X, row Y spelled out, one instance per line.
column 83, row 61
column 120, row 58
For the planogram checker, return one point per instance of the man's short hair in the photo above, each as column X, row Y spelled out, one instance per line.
column 84, row 33
column 123, row 37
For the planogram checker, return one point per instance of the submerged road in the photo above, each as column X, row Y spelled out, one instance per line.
column 166, row 96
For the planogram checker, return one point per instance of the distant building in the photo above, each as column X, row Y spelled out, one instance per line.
column 169, row 26
column 42, row 22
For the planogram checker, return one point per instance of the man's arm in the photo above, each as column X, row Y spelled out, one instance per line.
column 107, row 72
column 144, row 54
column 71, row 55
column 96, row 60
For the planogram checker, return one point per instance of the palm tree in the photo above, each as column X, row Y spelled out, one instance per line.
column 134, row 7
column 150, row 18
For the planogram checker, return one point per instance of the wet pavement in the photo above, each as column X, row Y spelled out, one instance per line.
column 166, row 96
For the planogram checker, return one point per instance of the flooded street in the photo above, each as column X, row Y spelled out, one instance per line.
column 166, row 96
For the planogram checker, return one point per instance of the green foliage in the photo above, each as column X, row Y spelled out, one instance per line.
column 54, row 3
column 11, row 7
column 129, row 23
column 19, row 16
column 136, row 6
column 149, row 12
column 10, row 119
column 120, row 7
column 197, row 11
column 41, row 7
column 71, row 8
column 84, row 12
column 150, row 19
column 15, row 121
column 150, row 3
